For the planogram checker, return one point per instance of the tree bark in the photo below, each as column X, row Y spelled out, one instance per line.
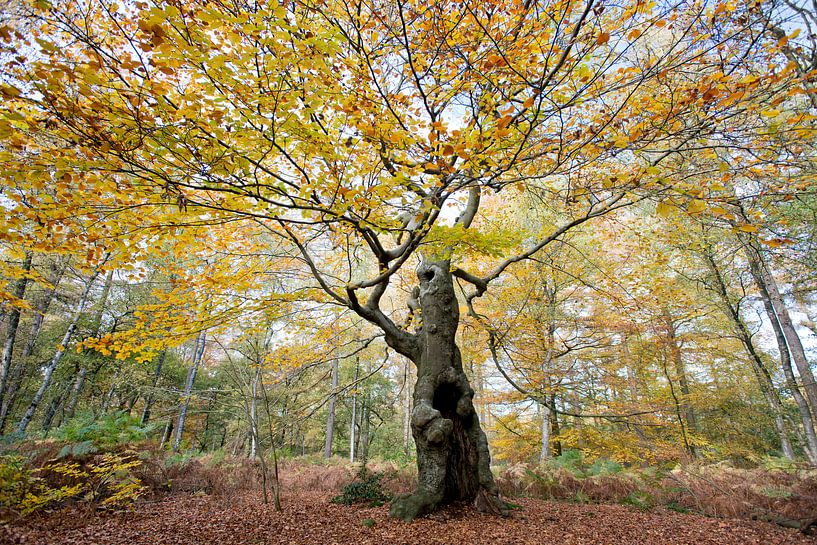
column 452, row 450
column 793, row 341
column 79, row 383
column 690, row 420
column 19, row 292
column 198, row 352
column 51, row 411
column 365, row 417
column 55, row 360
column 166, row 433
column 554, row 426
column 762, row 375
column 544, row 448
column 149, row 398
column 353, row 425
column 40, row 309
column 330, row 418
column 806, row 413
column 254, row 416
column 406, row 408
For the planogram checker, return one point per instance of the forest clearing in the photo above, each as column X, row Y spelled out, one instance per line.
column 408, row 271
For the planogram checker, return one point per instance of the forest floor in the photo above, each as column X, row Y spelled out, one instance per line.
column 311, row 518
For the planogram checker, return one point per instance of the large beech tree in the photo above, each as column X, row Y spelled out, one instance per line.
column 362, row 136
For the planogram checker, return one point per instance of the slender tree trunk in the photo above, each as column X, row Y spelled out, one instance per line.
column 352, row 434
column 554, row 426
column 149, row 398
column 544, row 448
column 762, row 375
column 168, row 430
column 365, row 417
column 19, row 292
column 55, row 360
column 330, row 418
column 683, row 399
column 254, row 416
column 547, row 364
column 806, row 414
column 276, row 488
column 211, row 407
column 40, row 309
column 51, row 410
column 79, row 383
column 107, row 400
column 188, row 390
column 795, row 346
column 452, row 450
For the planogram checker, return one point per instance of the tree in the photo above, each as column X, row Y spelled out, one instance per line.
column 362, row 138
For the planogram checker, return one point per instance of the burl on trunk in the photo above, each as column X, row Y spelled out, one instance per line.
column 452, row 450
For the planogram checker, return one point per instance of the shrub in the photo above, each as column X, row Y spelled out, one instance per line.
column 105, row 480
column 366, row 488
column 15, row 480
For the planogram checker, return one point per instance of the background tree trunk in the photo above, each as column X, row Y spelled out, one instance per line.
column 353, row 425
column 96, row 325
column 690, row 422
column 198, row 352
column 18, row 291
column 330, row 418
column 544, row 448
column 55, row 360
column 40, row 309
column 762, row 375
column 254, row 416
column 149, row 398
column 806, row 413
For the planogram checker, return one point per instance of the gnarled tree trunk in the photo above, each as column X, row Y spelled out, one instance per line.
column 452, row 450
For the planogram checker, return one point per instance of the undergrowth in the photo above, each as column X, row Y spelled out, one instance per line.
column 366, row 488
column 776, row 491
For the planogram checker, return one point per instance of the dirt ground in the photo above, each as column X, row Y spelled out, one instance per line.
column 313, row 519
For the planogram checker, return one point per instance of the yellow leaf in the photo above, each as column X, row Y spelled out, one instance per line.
column 10, row 91
column 603, row 38
column 746, row 228
column 696, row 206
column 664, row 209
